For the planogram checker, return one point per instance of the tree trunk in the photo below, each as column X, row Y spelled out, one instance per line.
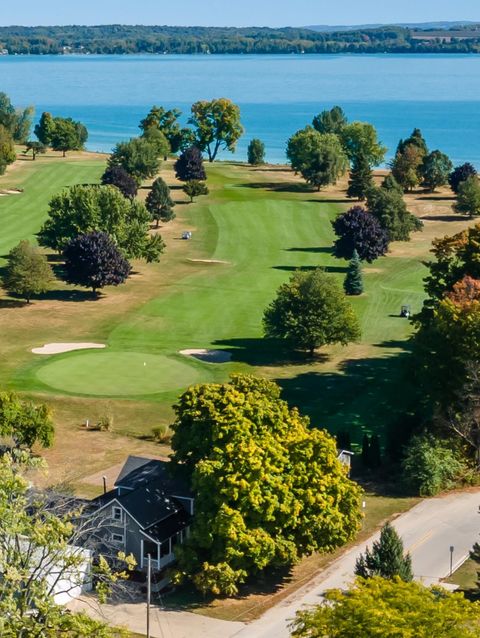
column 64, row 153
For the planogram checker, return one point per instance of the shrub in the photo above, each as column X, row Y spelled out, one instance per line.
column 161, row 434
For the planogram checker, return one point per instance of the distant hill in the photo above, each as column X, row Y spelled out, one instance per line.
column 421, row 26
column 135, row 39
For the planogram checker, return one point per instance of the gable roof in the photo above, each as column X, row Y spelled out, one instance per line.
column 146, row 490
column 139, row 471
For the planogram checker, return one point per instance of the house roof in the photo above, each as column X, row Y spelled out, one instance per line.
column 164, row 530
column 139, row 471
column 146, row 490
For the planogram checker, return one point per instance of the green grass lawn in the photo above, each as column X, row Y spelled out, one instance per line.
column 263, row 224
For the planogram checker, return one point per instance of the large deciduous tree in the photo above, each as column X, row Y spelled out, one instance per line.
column 319, row 158
column 138, row 157
column 166, row 121
column 311, row 311
column 61, row 134
column 358, row 230
column 388, row 206
column 407, row 166
column 468, row 197
column 23, row 423
column 387, row 557
column 415, row 139
column 332, row 121
column 83, row 209
column 118, row 176
column 460, row 174
column 268, row 488
column 159, row 203
column 94, row 261
column 28, row 272
column 217, row 125
column 189, row 165
column 194, row 188
column 360, row 138
column 379, row 607
column 436, row 169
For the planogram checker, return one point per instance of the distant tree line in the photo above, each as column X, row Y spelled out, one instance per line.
column 118, row 39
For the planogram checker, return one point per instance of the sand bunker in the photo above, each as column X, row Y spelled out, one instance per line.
column 58, row 348
column 208, row 261
column 208, row 356
column 10, row 191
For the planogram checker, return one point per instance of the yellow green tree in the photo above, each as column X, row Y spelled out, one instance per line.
column 268, row 488
column 377, row 608
column 217, row 125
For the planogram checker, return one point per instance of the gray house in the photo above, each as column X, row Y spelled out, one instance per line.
column 147, row 513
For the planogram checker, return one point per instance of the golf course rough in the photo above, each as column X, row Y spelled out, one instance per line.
column 126, row 373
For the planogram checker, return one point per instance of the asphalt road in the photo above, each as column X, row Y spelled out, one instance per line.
column 428, row 531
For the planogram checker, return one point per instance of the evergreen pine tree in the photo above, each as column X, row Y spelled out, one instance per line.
column 159, row 203
column 361, row 179
column 386, row 558
column 353, row 284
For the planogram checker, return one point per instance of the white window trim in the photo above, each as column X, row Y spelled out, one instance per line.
column 120, row 539
column 115, row 509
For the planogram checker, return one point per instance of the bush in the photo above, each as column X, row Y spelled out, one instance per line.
column 431, row 465
column 161, row 434
column 256, row 152
column 105, row 423
column 194, row 188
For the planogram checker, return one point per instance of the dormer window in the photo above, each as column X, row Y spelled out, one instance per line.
column 117, row 514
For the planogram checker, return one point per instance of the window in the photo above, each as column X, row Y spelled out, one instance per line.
column 117, row 514
column 151, row 548
column 118, row 538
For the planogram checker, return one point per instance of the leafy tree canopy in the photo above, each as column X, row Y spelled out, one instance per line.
column 7, row 149
column 360, row 231
column 25, row 423
column 37, row 148
column 416, row 139
column 138, row 157
column 118, row 176
column 386, row 558
column 83, row 209
column 311, row 311
column 436, row 169
column 318, row 157
column 256, row 152
column 194, row 188
column 407, row 166
column 268, row 489
column 332, row 121
column 18, row 122
column 159, row 141
column 379, row 607
column 468, row 197
column 166, row 122
column 217, row 125
column 388, row 206
column 460, row 174
column 62, row 134
column 431, row 465
column 28, row 271
column 361, row 138
column 94, row 261
column 189, row 165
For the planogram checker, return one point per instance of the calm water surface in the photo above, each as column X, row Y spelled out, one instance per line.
column 277, row 94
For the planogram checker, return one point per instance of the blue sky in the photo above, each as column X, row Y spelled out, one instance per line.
column 235, row 12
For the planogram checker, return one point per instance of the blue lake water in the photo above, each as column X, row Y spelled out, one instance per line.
column 277, row 94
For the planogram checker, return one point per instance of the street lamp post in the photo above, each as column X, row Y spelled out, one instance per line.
column 452, row 549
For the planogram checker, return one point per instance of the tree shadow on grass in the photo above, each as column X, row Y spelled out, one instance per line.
column 69, row 295
column 310, row 249
column 363, row 395
column 12, row 303
column 329, row 269
column 330, row 200
column 267, row 352
column 445, row 218
column 291, row 187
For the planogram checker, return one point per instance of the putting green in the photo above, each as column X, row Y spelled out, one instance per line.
column 118, row 374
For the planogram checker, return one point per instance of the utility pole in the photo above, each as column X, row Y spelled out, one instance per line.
column 149, row 592
column 452, row 549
